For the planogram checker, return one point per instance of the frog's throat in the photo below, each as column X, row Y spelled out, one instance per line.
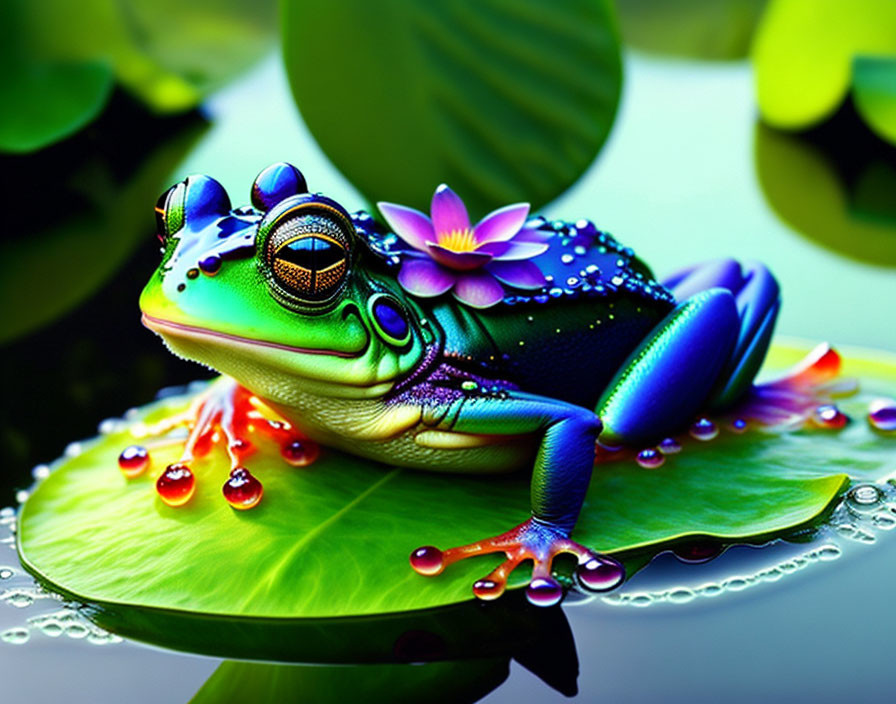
column 161, row 326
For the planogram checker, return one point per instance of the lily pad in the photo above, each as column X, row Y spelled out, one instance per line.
column 803, row 57
column 504, row 101
column 332, row 539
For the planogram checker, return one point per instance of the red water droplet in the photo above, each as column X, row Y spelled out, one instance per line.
column 651, row 458
column 133, row 461
column 300, row 453
column 242, row 490
column 240, row 447
column 487, row 589
column 176, row 484
column 830, row 417
column 427, row 560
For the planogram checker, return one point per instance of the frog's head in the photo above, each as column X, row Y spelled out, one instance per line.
column 278, row 294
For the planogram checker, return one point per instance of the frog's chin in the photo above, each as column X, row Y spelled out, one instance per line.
column 254, row 363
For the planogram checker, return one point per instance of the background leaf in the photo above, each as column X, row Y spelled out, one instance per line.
column 333, row 539
column 717, row 30
column 874, row 92
column 803, row 54
column 851, row 213
column 505, row 101
column 60, row 59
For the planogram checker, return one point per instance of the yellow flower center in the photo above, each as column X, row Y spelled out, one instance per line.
column 458, row 240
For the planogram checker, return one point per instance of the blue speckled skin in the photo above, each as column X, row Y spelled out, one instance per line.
column 602, row 352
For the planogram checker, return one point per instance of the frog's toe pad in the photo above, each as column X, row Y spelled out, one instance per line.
column 530, row 541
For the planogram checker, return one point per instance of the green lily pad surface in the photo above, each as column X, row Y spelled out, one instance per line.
column 332, row 539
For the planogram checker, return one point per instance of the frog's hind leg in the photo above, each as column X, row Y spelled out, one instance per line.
column 704, row 354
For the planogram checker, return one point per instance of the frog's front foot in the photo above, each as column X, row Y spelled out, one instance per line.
column 532, row 540
column 228, row 414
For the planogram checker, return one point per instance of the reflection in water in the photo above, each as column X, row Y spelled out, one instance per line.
column 834, row 185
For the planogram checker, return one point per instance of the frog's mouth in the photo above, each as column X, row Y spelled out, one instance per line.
column 160, row 326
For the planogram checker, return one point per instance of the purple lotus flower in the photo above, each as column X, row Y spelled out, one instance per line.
column 472, row 262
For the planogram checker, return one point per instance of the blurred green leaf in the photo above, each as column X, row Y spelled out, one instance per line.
column 43, row 100
column 719, row 30
column 103, row 184
column 853, row 213
column 874, row 91
column 333, row 539
column 504, row 101
column 803, row 56
column 60, row 58
column 434, row 683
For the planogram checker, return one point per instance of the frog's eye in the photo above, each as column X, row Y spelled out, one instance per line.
column 305, row 244
column 389, row 319
column 195, row 201
column 311, row 266
column 170, row 211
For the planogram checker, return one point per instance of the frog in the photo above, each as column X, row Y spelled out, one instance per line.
column 297, row 303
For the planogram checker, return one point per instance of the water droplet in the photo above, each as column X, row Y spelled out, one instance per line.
column 600, row 574
column 242, row 490
column 884, row 521
column 210, row 265
column 176, row 484
column 830, row 417
column 827, row 553
column 300, row 453
column 77, row 631
column 544, row 591
column 6, row 572
column 469, row 386
column 73, row 449
column 133, row 461
column 736, row 584
column 772, row 574
column 19, row 599
column 53, row 629
column 650, row 458
column 739, row 425
column 669, row 446
column 641, row 600
column 567, row 259
column 681, row 595
column 710, row 590
column 487, row 589
column 882, row 415
column 21, row 496
column 864, row 495
column 580, row 250
column 7, row 511
column 427, row 560
column 15, row 636
column 703, row 429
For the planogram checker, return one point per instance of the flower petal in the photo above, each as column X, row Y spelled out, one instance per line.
column 478, row 289
column 459, row 261
column 533, row 234
column 409, row 224
column 502, row 224
column 521, row 274
column 448, row 211
column 425, row 278
column 507, row 251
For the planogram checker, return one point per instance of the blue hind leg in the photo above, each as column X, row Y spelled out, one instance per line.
column 703, row 355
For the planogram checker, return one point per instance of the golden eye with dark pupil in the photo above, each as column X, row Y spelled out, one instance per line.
column 312, row 266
